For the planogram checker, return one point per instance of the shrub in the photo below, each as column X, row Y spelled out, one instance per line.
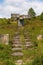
column 41, row 16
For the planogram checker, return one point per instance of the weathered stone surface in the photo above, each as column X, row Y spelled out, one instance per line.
column 16, row 48
column 19, row 62
column 17, row 37
column 27, row 39
column 4, row 38
column 28, row 45
column 17, row 54
column 16, row 42
column 40, row 37
column 17, row 45
column 28, row 42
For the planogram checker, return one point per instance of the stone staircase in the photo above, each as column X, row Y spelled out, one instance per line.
column 28, row 43
column 17, row 46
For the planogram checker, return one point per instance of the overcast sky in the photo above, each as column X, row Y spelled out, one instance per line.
column 19, row 6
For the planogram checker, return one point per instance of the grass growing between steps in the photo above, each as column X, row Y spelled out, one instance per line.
column 34, row 28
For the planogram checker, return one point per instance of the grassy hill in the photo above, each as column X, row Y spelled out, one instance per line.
column 33, row 28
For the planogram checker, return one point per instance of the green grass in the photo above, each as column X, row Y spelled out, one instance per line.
column 33, row 28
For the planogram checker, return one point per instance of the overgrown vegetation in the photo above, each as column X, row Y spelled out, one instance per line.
column 5, row 55
column 33, row 27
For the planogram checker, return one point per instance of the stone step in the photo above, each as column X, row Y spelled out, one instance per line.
column 17, row 54
column 28, row 45
column 27, row 39
column 17, row 37
column 26, row 36
column 19, row 62
column 27, row 42
column 17, row 45
column 16, row 49
column 16, row 41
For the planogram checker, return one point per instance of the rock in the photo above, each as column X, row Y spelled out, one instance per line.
column 17, row 54
column 16, row 49
column 4, row 38
column 17, row 45
column 19, row 62
column 39, row 37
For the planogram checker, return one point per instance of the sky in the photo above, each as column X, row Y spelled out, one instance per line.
column 19, row 6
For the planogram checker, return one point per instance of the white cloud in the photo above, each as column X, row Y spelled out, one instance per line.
column 19, row 6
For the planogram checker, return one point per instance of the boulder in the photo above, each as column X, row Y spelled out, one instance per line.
column 40, row 37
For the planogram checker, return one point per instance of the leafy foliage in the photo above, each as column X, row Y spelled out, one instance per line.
column 41, row 16
column 31, row 12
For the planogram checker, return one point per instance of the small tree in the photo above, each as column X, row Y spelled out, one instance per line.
column 31, row 12
column 8, row 21
column 41, row 16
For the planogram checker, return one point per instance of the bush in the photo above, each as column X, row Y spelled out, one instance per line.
column 41, row 16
